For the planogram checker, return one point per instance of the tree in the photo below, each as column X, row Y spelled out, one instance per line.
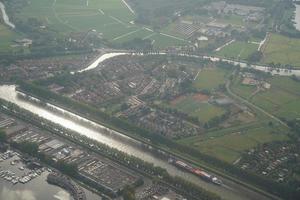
column 255, row 57
column 128, row 193
column 3, row 136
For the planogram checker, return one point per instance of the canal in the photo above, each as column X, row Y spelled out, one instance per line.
column 229, row 190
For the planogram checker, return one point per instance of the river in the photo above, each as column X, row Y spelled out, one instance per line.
column 297, row 17
column 229, row 190
column 5, row 17
column 278, row 71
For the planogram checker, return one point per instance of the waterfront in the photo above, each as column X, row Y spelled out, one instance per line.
column 263, row 68
column 297, row 17
column 229, row 190
column 5, row 17
column 36, row 189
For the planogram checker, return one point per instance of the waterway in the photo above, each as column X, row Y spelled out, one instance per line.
column 297, row 17
column 229, row 190
column 5, row 16
column 267, row 69
column 100, row 59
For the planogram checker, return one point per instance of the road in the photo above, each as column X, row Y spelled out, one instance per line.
column 241, row 99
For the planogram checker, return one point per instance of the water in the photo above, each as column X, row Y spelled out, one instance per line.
column 100, row 59
column 36, row 189
column 5, row 17
column 279, row 71
column 297, row 17
column 130, row 146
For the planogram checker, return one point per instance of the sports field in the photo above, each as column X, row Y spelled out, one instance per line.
column 112, row 19
column 282, row 49
column 238, row 50
column 210, row 78
column 197, row 105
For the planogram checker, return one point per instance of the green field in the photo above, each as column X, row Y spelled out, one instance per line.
column 284, row 50
column 7, row 37
column 228, row 145
column 204, row 111
column 238, row 50
column 233, row 20
column 110, row 18
column 210, row 78
column 282, row 100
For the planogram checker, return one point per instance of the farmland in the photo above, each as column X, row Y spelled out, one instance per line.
column 229, row 144
column 282, row 99
column 283, row 50
column 111, row 19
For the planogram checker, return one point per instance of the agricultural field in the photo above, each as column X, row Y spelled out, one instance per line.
column 229, row 144
column 197, row 105
column 282, row 99
column 111, row 19
column 283, row 50
column 238, row 50
column 244, row 91
column 210, row 78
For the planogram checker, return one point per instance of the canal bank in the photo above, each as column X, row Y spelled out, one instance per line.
column 5, row 16
column 297, row 17
column 231, row 190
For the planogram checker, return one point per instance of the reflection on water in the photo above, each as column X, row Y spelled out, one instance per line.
column 62, row 195
column 297, row 17
column 17, row 194
column 115, row 140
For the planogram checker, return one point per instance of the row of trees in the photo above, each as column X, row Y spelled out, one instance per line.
column 260, row 181
column 132, row 162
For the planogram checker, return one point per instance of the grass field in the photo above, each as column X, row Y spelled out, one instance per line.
column 203, row 110
column 6, row 39
column 228, row 145
column 282, row 100
column 238, row 50
column 233, row 20
column 210, row 78
column 284, row 50
column 111, row 18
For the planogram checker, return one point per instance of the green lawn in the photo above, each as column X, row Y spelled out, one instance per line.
column 210, row 78
column 284, row 50
column 6, row 39
column 204, row 111
column 161, row 41
column 233, row 20
column 238, row 50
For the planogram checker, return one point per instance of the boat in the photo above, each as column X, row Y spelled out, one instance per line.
column 196, row 171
